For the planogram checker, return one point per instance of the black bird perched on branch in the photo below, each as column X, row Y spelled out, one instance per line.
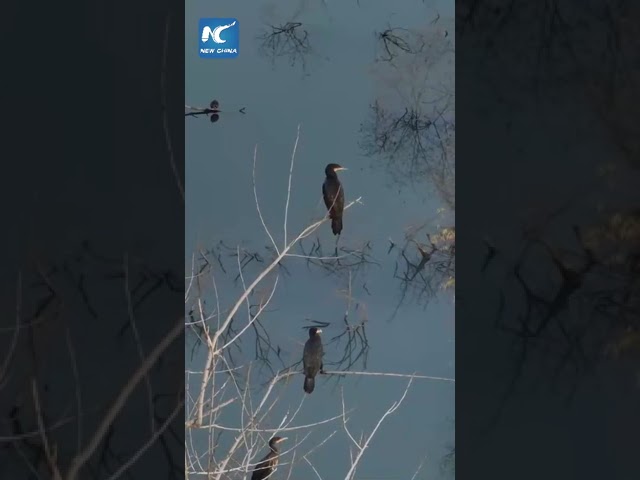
column 268, row 464
column 312, row 359
column 333, row 195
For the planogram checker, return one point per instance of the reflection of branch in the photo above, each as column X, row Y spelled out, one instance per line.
column 394, row 42
column 349, row 262
column 410, row 142
column 357, row 345
column 572, row 319
column 571, row 281
column 491, row 253
column 344, row 260
column 426, row 268
column 288, row 40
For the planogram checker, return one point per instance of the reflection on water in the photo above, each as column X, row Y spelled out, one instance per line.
column 554, row 306
column 263, row 264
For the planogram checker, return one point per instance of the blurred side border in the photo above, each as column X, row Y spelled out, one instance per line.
column 548, row 239
column 92, row 328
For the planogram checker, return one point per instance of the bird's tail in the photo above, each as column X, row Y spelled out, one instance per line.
column 309, row 384
column 336, row 225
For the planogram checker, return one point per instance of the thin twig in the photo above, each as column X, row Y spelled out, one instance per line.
column 80, row 459
column 51, row 456
column 156, row 434
column 384, row 374
column 363, row 445
column 136, row 339
column 286, row 207
column 255, row 196
column 165, row 114
column 76, row 376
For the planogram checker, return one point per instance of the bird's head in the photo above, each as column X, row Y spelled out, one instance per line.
column 332, row 168
column 313, row 331
column 276, row 441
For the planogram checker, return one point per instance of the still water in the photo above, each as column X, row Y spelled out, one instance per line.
column 322, row 88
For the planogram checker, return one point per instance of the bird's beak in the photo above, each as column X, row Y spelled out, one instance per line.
column 340, row 168
column 318, row 331
column 282, row 439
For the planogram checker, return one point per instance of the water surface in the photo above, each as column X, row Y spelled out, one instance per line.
column 329, row 100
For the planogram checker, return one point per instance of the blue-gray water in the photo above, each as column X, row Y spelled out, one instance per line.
column 330, row 100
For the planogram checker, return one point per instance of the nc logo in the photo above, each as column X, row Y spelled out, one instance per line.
column 219, row 38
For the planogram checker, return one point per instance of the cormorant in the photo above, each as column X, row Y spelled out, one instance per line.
column 333, row 195
column 312, row 359
column 268, row 464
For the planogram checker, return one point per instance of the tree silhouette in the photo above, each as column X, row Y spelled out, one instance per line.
column 289, row 40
